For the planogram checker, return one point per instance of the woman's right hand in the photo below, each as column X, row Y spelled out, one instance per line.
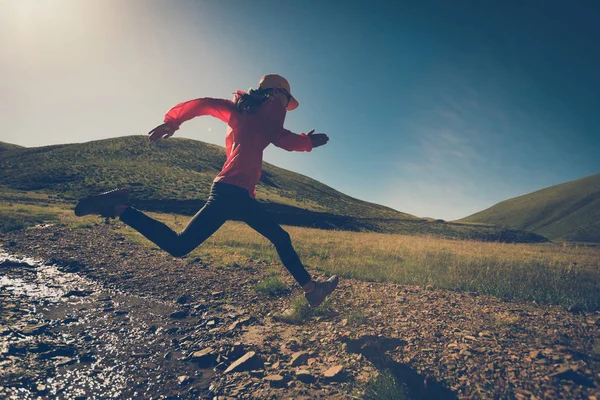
column 318, row 139
column 163, row 131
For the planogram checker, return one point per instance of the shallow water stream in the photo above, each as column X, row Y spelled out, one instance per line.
column 65, row 336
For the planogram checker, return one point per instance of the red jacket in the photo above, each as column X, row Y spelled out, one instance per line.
column 247, row 135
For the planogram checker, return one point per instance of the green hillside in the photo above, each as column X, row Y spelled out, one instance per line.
column 174, row 169
column 175, row 175
column 569, row 211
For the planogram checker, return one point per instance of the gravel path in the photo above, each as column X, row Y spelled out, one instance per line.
column 96, row 315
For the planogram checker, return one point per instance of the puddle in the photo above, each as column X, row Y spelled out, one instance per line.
column 65, row 336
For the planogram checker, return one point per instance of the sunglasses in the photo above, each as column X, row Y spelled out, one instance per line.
column 285, row 92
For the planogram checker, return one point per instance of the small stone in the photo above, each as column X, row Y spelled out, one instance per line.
column 334, row 372
column 305, row 376
column 183, row 379
column 571, row 374
column 183, row 299
column 233, row 326
column 242, row 363
column 274, row 380
column 298, row 358
column 40, row 387
column 178, row 314
column 535, row 354
column 276, row 365
column 78, row 293
column 205, row 357
column 62, row 361
column 33, row 329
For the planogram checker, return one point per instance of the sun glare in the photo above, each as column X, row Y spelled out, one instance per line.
column 35, row 11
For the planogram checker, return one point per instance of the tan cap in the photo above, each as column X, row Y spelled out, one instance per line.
column 274, row 81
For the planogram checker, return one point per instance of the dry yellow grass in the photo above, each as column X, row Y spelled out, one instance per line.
column 552, row 274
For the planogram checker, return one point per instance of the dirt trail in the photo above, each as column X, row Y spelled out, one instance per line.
column 104, row 316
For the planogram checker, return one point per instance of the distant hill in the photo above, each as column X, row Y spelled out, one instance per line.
column 8, row 146
column 569, row 211
column 175, row 175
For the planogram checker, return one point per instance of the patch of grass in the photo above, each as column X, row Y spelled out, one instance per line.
column 300, row 312
column 596, row 349
column 14, row 218
column 271, row 286
column 357, row 317
column 385, row 387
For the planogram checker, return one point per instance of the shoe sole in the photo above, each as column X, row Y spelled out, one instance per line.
column 95, row 204
column 335, row 284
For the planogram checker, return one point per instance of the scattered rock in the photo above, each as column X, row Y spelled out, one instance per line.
column 33, row 329
column 232, row 327
column 305, row 376
column 275, row 380
column 571, row 374
column 179, row 314
column 299, row 358
column 62, row 361
column 78, row 293
column 183, row 379
column 205, row 357
column 334, row 373
column 183, row 299
column 246, row 362
column 535, row 354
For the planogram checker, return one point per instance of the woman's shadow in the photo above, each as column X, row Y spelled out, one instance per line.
column 375, row 349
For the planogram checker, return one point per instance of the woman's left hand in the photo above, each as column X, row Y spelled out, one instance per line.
column 318, row 139
column 163, row 131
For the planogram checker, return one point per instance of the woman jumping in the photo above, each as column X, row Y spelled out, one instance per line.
column 254, row 120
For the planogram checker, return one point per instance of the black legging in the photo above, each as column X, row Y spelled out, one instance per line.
column 225, row 202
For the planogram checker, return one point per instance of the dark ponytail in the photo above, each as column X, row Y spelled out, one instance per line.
column 251, row 101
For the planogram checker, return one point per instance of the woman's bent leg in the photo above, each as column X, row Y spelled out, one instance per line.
column 258, row 220
column 201, row 227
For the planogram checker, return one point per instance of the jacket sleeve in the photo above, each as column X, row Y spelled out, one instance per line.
column 219, row 108
column 291, row 141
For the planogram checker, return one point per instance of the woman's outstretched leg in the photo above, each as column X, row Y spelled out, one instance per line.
column 201, row 226
column 315, row 292
column 206, row 222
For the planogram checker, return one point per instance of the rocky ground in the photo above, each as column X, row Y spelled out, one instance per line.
column 102, row 317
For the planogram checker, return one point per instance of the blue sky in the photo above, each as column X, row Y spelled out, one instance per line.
column 434, row 108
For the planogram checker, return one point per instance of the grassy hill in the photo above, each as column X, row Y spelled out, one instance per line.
column 175, row 175
column 569, row 211
column 174, row 169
